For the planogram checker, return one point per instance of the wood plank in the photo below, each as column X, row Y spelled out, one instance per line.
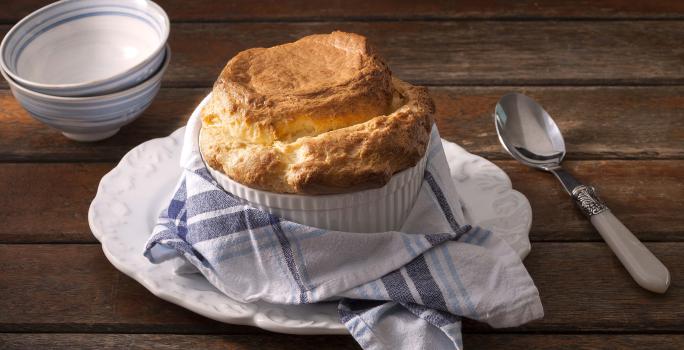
column 277, row 341
column 572, row 341
column 593, row 121
column 596, row 122
column 72, row 288
column 209, row 10
column 61, row 193
column 171, row 342
column 648, row 196
column 461, row 52
column 25, row 139
column 584, row 287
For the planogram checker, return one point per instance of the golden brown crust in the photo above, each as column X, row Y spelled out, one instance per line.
column 320, row 115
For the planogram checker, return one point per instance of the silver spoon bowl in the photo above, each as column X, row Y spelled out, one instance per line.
column 529, row 134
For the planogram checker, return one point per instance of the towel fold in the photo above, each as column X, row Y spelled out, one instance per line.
column 396, row 290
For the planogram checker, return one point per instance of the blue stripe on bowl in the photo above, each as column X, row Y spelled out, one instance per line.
column 46, row 22
column 16, row 53
column 104, row 108
column 122, row 117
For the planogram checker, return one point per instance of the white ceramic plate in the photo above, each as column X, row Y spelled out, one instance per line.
column 131, row 196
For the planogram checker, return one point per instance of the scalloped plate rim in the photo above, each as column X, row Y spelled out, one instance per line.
column 258, row 316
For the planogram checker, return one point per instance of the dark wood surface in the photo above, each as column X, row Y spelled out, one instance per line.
column 530, row 52
column 363, row 10
column 73, row 185
column 633, row 122
column 274, row 341
column 72, row 287
column 610, row 72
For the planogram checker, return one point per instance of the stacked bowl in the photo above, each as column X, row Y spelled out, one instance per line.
column 87, row 67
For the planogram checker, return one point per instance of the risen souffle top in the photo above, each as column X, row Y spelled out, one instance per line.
column 320, row 115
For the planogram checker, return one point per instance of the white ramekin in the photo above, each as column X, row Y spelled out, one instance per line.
column 373, row 210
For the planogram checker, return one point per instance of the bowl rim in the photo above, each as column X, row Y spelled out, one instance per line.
column 76, row 99
column 87, row 84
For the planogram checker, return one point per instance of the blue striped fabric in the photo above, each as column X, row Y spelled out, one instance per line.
column 396, row 290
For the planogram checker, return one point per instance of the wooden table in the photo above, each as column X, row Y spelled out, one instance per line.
column 610, row 72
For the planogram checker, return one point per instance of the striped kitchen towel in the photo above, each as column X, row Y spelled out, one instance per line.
column 396, row 290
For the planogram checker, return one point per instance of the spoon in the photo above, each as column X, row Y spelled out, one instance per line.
column 529, row 134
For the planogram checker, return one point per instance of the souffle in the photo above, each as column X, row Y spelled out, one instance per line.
column 321, row 115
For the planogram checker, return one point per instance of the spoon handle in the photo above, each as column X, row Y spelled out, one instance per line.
column 644, row 267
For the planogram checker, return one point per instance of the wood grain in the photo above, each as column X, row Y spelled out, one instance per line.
column 61, row 193
column 632, row 189
column 207, row 10
column 171, row 342
column 609, row 71
column 25, row 139
column 593, row 121
column 646, row 195
column 596, row 122
column 285, row 342
column 73, row 288
column 572, row 342
column 461, row 52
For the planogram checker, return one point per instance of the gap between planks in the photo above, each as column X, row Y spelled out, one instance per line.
column 393, row 19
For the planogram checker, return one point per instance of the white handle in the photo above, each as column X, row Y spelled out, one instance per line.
column 644, row 267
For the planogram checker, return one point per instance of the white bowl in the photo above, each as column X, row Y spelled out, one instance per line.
column 373, row 210
column 86, row 47
column 90, row 118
